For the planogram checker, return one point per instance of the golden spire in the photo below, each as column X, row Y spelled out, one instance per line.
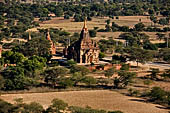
column 29, row 37
column 48, row 35
column 85, row 23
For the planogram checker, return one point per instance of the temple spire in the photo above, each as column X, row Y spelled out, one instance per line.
column 85, row 23
column 29, row 37
column 48, row 35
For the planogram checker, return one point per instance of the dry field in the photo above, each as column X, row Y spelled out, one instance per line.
column 99, row 99
column 71, row 26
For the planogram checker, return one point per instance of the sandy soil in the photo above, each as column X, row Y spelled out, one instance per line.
column 99, row 99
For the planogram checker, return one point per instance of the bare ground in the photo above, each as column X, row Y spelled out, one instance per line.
column 99, row 99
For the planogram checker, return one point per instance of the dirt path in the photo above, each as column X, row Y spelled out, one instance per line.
column 99, row 99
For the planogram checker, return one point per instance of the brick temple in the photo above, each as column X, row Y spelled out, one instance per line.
column 84, row 50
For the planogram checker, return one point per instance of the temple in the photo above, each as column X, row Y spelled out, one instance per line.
column 52, row 48
column 84, row 50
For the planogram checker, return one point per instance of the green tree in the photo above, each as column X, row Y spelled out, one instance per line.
column 163, row 21
column 2, row 81
column 123, row 79
column 92, row 33
column 82, row 69
column 6, row 107
column 139, row 27
column 154, row 73
column 58, row 106
column 101, row 55
column 109, row 73
column 13, row 57
column 160, row 36
column 54, row 75
column 139, row 55
column 157, row 94
column 36, row 46
column 33, row 107
column 15, row 78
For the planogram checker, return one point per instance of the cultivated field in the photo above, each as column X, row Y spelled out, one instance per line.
column 99, row 99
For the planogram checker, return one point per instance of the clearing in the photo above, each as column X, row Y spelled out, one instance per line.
column 99, row 99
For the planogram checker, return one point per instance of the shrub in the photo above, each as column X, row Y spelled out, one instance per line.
column 92, row 33
column 101, row 55
column 123, row 79
column 133, row 92
column 75, row 109
column 157, row 94
column 125, row 67
column 115, row 112
column 57, row 106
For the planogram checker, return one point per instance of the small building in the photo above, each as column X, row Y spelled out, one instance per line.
column 84, row 50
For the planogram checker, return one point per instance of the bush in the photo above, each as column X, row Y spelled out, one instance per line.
column 89, row 80
column 115, row 112
column 75, row 109
column 123, row 79
column 101, row 55
column 157, row 94
column 125, row 67
column 82, row 69
column 117, row 17
column 57, row 106
column 92, row 33
column 109, row 73
column 133, row 92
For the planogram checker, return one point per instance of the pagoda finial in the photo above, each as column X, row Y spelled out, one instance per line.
column 29, row 37
column 48, row 34
column 85, row 23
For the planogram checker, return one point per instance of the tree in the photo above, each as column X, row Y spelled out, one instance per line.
column 109, row 73
column 154, row 72
column 15, row 78
column 77, row 77
column 101, row 55
column 153, row 19
column 58, row 106
column 36, row 46
column 160, row 36
column 66, row 16
column 2, row 81
column 164, row 54
column 89, row 80
column 139, row 55
column 163, row 21
column 54, row 75
column 11, row 57
column 6, row 107
column 166, row 74
column 92, row 33
column 82, row 69
column 123, row 79
column 33, row 64
column 157, row 94
column 33, row 107
column 139, row 27
column 108, row 21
